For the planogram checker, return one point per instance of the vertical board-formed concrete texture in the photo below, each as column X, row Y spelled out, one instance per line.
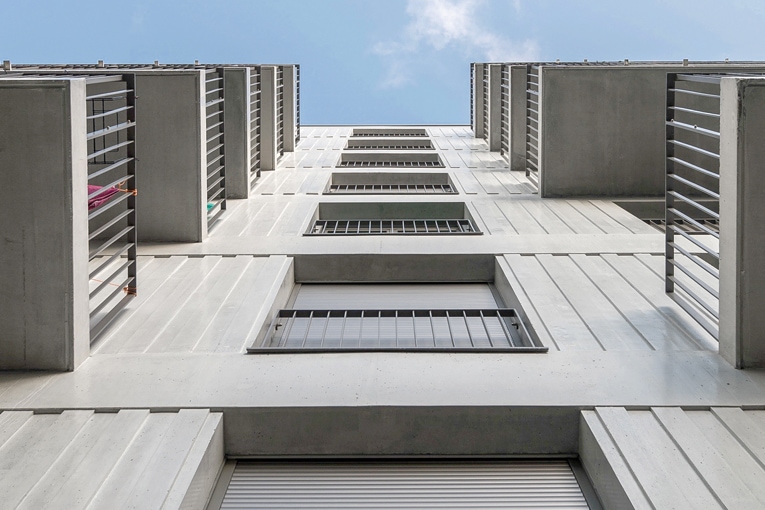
column 127, row 459
column 742, row 221
column 289, row 107
column 668, row 457
column 170, row 146
column 44, row 242
column 269, row 137
column 236, row 131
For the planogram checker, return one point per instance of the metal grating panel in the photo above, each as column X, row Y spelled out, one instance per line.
column 397, row 330
column 366, row 163
column 255, row 124
column 413, row 484
column 216, row 164
column 370, row 144
column 393, row 227
column 693, row 195
column 112, row 267
column 532, row 124
column 389, row 132
column 381, row 189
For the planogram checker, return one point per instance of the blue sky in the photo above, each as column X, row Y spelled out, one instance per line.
column 381, row 61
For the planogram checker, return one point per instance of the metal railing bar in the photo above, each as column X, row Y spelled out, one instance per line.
column 110, row 112
column 693, row 129
column 215, row 183
column 109, row 168
column 109, row 280
column 703, row 264
column 695, row 148
column 696, row 297
column 693, row 185
column 699, row 78
column 110, row 130
column 108, row 205
column 693, row 222
column 120, row 288
column 694, row 167
column 111, row 259
column 695, row 112
column 695, row 278
column 109, row 94
column 110, row 242
column 110, row 149
column 694, row 241
column 695, row 204
column 110, row 223
column 695, row 93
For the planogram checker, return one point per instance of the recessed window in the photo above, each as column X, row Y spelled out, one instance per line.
column 383, row 144
column 377, row 183
column 397, row 132
column 389, row 160
column 398, row 218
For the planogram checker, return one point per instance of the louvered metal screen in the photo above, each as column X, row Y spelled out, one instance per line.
column 297, row 104
column 280, row 111
column 216, row 165
column 472, row 93
column 110, row 116
column 540, row 484
column 532, row 124
column 693, row 195
column 505, row 115
column 255, row 123
column 486, row 99
column 393, row 227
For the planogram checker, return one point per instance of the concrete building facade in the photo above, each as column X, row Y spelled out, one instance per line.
column 396, row 309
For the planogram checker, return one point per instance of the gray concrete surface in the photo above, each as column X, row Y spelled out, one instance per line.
column 43, row 251
column 236, row 129
column 742, row 216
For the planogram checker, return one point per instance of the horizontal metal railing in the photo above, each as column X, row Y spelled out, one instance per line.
column 391, row 132
column 112, row 266
column 693, row 195
column 486, row 100
column 398, row 330
column 356, row 189
column 393, row 227
column 215, row 140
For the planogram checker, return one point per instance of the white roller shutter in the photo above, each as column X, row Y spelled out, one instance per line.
column 393, row 296
column 414, row 484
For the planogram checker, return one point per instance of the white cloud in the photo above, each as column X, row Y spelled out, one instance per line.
column 445, row 25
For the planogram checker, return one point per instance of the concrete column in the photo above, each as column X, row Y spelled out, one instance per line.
column 742, row 221
column 170, row 148
column 236, row 129
column 518, row 79
column 290, row 114
column 268, row 133
column 495, row 107
column 44, row 225
column 478, row 101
